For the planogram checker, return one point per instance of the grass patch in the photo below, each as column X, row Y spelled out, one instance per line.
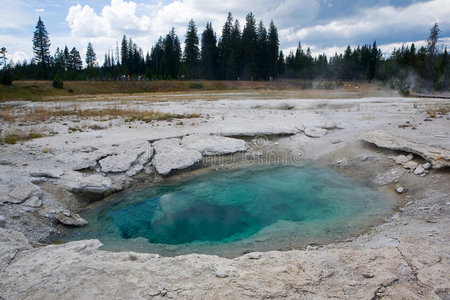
column 43, row 114
column 11, row 139
column 158, row 116
column 16, row 137
column 196, row 86
column 75, row 129
column 34, row 136
column 58, row 83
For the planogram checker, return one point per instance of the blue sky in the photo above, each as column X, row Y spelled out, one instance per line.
column 323, row 25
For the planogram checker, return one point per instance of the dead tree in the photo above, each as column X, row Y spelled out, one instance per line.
column 431, row 55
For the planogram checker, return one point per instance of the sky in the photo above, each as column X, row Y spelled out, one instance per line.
column 326, row 26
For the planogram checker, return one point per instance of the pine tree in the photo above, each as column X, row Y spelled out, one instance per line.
column 3, row 56
column 321, row 66
column 225, row 47
column 148, row 65
column 75, row 61
column 171, row 58
column 60, row 63
column 281, row 63
column 309, row 61
column 157, row 53
column 412, row 58
column 67, row 65
column 191, row 50
column 91, row 57
column 250, row 48
column 130, row 57
column 234, row 63
column 421, row 59
column 273, row 45
column 347, row 67
column 375, row 57
column 5, row 72
column 263, row 64
column 124, row 53
column 444, row 69
column 106, row 62
column 41, row 46
column 209, row 53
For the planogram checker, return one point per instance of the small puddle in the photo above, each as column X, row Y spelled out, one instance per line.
column 229, row 213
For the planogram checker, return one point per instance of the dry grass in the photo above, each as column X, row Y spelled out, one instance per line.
column 443, row 110
column 96, row 127
column 7, row 115
column 43, row 90
column 431, row 113
column 19, row 136
column 43, row 114
column 434, row 111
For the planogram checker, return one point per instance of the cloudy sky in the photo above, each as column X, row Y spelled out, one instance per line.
column 323, row 25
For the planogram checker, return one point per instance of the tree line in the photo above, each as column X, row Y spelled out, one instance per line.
column 249, row 54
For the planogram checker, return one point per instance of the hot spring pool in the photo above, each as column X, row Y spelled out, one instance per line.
column 232, row 212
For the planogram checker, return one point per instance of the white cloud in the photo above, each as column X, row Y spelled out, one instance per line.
column 153, row 20
column 85, row 23
column 146, row 22
column 383, row 21
column 14, row 44
column 16, row 14
column 118, row 18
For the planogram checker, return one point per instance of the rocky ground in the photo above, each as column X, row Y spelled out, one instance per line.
column 399, row 146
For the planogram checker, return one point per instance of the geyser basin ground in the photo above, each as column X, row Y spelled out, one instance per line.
column 232, row 212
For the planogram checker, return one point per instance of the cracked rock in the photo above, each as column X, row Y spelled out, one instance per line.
column 426, row 166
column 213, row 144
column 53, row 173
column 402, row 159
column 71, row 220
column 76, row 182
column 419, row 170
column 412, row 165
column 438, row 157
column 171, row 156
column 175, row 160
column 33, row 202
column 17, row 191
column 126, row 157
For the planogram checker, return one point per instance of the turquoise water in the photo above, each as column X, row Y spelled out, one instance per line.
column 232, row 212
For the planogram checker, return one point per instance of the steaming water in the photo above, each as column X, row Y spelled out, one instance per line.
column 233, row 212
